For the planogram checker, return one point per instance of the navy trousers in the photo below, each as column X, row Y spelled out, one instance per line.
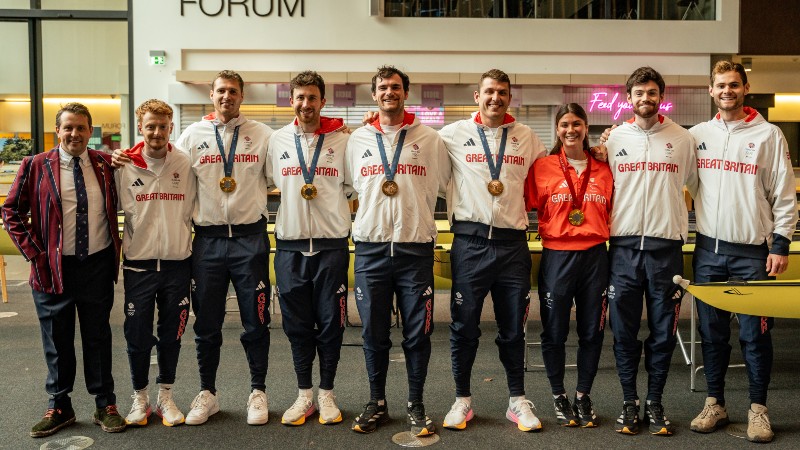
column 312, row 291
column 89, row 290
column 216, row 262
column 755, row 339
column 410, row 278
column 144, row 290
column 566, row 276
column 633, row 274
column 503, row 268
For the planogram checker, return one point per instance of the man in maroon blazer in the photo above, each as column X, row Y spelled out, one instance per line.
column 61, row 212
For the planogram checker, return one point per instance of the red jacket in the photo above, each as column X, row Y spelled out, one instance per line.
column 547, row 191
column 36, row 190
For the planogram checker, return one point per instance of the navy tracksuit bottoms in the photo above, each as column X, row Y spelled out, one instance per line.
column 409, row 278
column 503, row 268
column 244, row 261
column 755, row 339
column 635, row 273
column 168, row 289
column 567, row 276
column 312, row 291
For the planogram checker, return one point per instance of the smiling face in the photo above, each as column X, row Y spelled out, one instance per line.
column 729, row 91
column 227, row 96
column 155, row 129
column 646, row 99
column 389, row 95
column 571, row 131
column 307, row 103
column 493, row 100
column 74, row 132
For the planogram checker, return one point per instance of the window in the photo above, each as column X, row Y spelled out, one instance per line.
column 555, row 9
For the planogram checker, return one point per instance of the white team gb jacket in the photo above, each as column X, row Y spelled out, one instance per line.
column 158, row 208
column 422, row 174
column 326, row 216
column 747, row 185
column 650, row 168
column 248, row 203
column 468, row 198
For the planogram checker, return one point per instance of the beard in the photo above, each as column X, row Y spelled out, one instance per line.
column 645, row 114
column 157, row 144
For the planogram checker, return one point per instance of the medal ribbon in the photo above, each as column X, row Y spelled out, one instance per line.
column 494, row 170
column 577, row 200
column 308, row 172
column 228, row 163
column 390, row 170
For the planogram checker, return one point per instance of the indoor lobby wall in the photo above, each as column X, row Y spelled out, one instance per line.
column 342, row 37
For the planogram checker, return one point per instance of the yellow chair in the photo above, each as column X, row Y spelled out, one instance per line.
column 6, row 248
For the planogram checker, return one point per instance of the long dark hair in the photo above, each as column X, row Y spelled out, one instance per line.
column 578, row 110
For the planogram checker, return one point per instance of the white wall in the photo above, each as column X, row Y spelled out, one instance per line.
column 340, row 36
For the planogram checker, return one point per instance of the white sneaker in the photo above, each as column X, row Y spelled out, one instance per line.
column 758, row 426
column 300, row 409
column 166, row 408
column 460, row 413
column 140, row 409
column 257, row 408
column 329, row 413
column 204, row 406
column 521, row 413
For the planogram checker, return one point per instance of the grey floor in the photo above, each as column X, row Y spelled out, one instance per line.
column 23, row 401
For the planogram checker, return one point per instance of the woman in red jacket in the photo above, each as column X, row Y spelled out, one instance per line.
column 572, row 194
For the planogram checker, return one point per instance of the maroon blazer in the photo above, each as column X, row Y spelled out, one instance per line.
column 39, row 237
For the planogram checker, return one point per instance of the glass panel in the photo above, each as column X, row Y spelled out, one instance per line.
column 107, row 5
column 555, row 9
column 15, row 4
column 15, row 103
column 87, row 62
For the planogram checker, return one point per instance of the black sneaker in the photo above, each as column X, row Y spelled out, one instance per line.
column 628, row 421
column 109, row 419
column 657, row 421
column 373, row 415
column 420, row 423
column 564, row 415
column 53, row 420
column 584, row 412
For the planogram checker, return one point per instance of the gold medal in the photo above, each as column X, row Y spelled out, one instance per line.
column 308, row 191
column 227, row 184
column 495, row 187
column 576, row 217
column 389, row 188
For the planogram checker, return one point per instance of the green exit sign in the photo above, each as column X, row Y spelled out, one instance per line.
column 158, row 57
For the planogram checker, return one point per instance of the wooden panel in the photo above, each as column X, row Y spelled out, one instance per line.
column 693, row 80
column 434, row 78
column 543, row 79
column 360, row 77
column 598, row 79
column 766, row 28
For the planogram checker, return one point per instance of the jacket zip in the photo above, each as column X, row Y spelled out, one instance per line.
column 646, row 185
column 719, row 190
column 159, row 221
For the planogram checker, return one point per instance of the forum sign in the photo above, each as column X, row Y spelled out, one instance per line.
column 243, row 8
